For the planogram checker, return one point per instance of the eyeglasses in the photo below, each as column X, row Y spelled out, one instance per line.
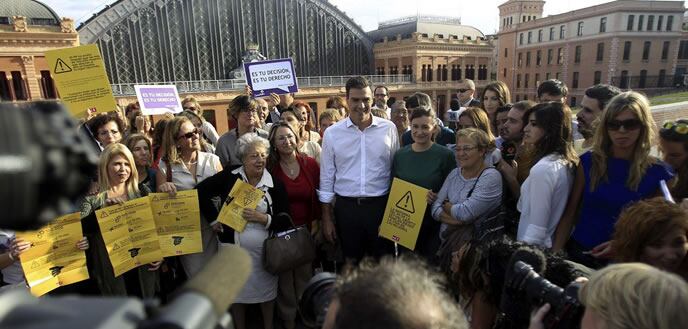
column 108, row 132
column 678, row 127
column 190, row 134
column 465, row 149
column 630, row 124
column 190, row 108
column 463, row 90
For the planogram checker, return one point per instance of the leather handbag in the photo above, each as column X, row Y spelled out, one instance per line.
column 288, row 250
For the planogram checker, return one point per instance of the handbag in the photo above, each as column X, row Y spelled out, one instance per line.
column 288, row 250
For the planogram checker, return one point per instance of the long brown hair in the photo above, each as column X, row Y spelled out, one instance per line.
column 169, row 141
column 274, row 156
column 502, row 91
column 602, row 143
column 554, row 119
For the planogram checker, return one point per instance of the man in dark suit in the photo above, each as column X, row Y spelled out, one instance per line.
column 466, row 92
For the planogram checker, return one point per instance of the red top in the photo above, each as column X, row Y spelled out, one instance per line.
column 303, row 201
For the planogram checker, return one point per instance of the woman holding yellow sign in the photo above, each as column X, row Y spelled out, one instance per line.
column 258, row 222
column 118, row 183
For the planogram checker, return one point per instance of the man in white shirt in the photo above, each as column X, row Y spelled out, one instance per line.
column 381, row 94
column 355, row 169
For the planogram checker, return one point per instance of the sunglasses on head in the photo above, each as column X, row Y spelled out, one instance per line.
column 190, row 134
column 630, row 124
column 680, row 128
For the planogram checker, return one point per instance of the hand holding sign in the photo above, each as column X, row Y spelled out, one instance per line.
column 275, row 76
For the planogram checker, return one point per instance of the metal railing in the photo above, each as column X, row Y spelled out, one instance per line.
column 127, row 89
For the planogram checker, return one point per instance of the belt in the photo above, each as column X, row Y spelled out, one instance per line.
column 362, row 200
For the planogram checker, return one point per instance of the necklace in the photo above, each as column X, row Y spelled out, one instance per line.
column 290, row 169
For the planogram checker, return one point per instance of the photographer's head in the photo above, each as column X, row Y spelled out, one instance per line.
column 399, row 293
column 634, row 295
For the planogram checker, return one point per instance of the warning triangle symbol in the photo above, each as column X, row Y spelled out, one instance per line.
column 61, row 67
column 406, row 203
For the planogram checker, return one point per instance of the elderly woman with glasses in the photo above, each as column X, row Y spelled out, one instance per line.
column 244, row 110
column 107, row 129
column 182, row 167
column 619, row 170
column 270, row 216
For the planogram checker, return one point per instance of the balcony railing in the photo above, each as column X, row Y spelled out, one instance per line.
column 127, row 89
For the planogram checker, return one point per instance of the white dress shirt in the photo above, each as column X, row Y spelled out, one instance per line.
column 356, row 163
column 543, row 198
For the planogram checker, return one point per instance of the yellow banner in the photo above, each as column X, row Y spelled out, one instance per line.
column 81, row 80
column 404, row 213
column 130, row 234
column 241, row 196
column 53, row 259
column 178, row 220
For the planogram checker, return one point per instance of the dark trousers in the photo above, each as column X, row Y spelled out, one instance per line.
column 357, row 221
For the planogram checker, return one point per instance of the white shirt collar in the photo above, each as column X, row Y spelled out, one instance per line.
column 376, row 121
column 265, row 181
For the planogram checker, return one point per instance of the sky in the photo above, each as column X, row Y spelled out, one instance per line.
column 483, row 14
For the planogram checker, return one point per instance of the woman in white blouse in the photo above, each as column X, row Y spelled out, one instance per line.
column 189, row 166
column 545, row 193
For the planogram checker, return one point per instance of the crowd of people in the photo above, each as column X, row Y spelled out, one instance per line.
column 585, row 189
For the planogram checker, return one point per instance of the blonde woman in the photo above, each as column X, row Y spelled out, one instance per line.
column 118, row 182
column 616, row 172
column 187, row 167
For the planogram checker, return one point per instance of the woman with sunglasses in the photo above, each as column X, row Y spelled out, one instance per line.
column 191, row 104
column 197, row 121
column 673, row 141
column 616, row 172
column 182, row 167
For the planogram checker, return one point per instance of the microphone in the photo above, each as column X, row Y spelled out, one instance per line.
column 205, row 299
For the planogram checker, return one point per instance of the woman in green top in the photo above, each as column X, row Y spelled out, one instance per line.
column 425, row 164
column 118, row 182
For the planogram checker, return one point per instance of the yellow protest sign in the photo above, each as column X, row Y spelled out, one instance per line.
column 404, row 213
column 81, row 80
column 178, row 221
column 241, row 196
column 130, row 234
column 53, row 259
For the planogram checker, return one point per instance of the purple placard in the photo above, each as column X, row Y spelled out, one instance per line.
column 158, row 99
column 273, row 76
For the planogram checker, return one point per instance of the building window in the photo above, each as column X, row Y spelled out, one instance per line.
column 600, row 52
column 660, row 22
column 573, row 101
column 562, row 31
column 580, row 29
column 526, row 80
column 646, row 50
column 5, row 92
column 670, row 23
column 549, row 56
column 527, row 59
column 577, row 56
column 551, row 33
column 429, row 72
column 683, row 50
column 537, row 80
column 444, row 72
column 423, row 74
column 520, row 59
column 506, row 52
column 603, row 24
column 520, row 39
column 598, row 77
column 629, row 27
column 530, row 37
column 650, row 22
column 470, row 72
column 661, row 78
column 458, row 72
column 623, row 84
column 538, row 58
column 627, row 51
column 539, row 35
column 18, row 86
column 518, row 98
column 643, row 79
column 641, row 21
column 547, row 75
column 518, row 80
column 556, row 76
column 47, row 85
column 560, row 55
column 574, row 82
column 504, row 74
column 665, row 50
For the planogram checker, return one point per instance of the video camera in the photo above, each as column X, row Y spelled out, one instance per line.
column 316, row 299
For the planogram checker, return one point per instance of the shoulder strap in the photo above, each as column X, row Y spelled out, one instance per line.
column 476, row 182
column 168, row 171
